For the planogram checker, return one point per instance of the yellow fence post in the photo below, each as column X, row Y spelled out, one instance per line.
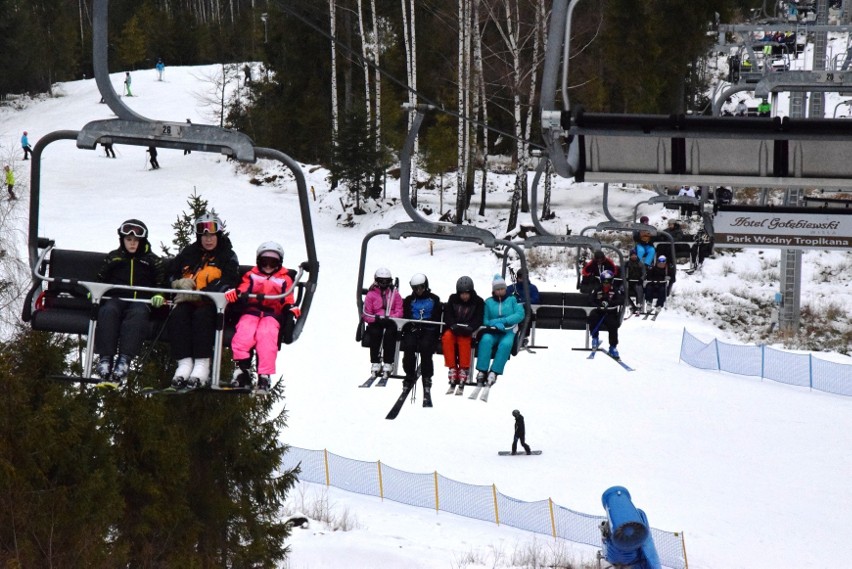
column 552, row 517
column 437, row 503
column 381, row 488
column 325, row 459
column 496, row 512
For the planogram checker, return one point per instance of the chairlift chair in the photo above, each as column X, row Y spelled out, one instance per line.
column 71, row 293
column 678, row 149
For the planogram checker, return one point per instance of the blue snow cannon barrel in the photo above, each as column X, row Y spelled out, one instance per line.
column 627, row 528
column 626, row 535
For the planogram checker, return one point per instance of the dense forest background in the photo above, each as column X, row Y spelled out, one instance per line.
column 628, row 56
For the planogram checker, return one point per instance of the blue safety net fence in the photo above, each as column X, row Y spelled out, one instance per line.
column 803, row 370
column 483, row 503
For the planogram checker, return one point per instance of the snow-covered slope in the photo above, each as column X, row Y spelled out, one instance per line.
column 753, row 472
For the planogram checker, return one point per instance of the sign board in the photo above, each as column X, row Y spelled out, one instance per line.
column 786, row 228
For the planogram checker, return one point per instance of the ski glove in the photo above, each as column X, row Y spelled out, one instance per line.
column 231, row 295
column 157, row 300
column 604, row 304
column 499, row 325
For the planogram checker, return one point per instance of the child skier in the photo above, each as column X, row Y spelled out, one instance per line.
column 259, row 325
column 420, row 338
column 381, row 302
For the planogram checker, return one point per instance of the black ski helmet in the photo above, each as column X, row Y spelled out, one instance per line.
column 599, row 255
column 515, row 413
column 464, row 284
column 134, row 228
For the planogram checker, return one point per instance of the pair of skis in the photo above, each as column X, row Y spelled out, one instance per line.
column 383, row 380
column 186, row 390
column 613, row 358
column 98, row 383
column 482, row 391
column 397, row 407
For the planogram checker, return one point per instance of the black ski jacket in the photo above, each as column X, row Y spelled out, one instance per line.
column 463, row 318
column 142, row 268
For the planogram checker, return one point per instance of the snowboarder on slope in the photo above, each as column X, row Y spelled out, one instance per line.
column 520, row 433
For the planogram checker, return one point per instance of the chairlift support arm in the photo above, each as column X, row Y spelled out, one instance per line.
column 678, row 149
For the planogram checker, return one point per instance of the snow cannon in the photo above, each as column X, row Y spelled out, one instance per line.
column 625, row 534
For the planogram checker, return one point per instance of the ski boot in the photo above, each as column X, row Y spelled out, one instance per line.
column 427, row 397
column 263, row 383
column 453, row 376
column 596, row 343
column 122, row 367
column 200, row 374
column 104, row 367
column 613, row 352
column 463, row 376
column 184, row 368
column 492, row 378
column 242, row 375
column 386, row 372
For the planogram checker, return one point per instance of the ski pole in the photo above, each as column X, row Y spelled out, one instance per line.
column 595, row 331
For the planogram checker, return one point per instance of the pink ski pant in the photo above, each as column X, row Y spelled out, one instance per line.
column 260, row 333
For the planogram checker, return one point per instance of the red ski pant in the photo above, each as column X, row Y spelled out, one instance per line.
column 451, row 342
column 260, row 333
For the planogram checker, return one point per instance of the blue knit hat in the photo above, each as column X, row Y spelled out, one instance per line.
column 498, row 283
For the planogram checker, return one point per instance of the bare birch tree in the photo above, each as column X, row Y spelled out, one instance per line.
column 481, row 106
column 365, row 55
column 509, row 25
column 462, row 196
column 377, row 78
column 335, row 108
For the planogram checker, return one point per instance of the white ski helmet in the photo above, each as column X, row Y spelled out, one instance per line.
column 270, row 249
column 209, row 223
column 383, row 277
column 419, row 279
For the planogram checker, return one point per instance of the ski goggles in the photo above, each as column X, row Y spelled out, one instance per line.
column 133, row 230
column 269, row 262
column 203, row 227
column 384, row 282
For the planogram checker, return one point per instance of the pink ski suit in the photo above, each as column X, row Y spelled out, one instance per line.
column 258, row 327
